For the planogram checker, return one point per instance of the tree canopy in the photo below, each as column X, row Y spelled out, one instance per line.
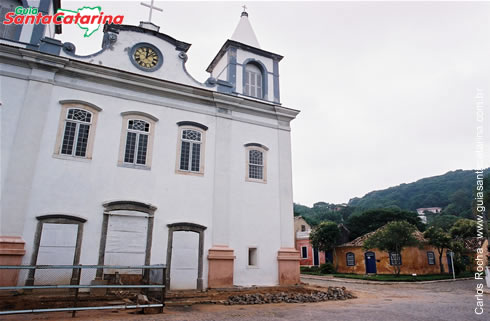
column 324, row 237
column 463, row 228
column 440, row 239
column 320, row 211
column 371, row 220
column 445, row 222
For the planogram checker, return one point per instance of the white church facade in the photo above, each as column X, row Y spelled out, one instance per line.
column 121, row 157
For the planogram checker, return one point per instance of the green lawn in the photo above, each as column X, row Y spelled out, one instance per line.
column 394, row 278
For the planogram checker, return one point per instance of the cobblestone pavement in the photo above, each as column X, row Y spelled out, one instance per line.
column 445, row 301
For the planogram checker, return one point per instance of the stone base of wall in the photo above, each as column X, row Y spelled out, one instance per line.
column 11, row 253
column 288, row 259
column 221, row 260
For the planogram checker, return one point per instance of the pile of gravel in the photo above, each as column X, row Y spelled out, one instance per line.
column 333, row 293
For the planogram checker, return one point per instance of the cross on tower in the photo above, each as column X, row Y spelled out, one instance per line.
column 151, row 6
column 244, row 8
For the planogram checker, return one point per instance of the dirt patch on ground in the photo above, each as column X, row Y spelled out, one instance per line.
column 65, row 299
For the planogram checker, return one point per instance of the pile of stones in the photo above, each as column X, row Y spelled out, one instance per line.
column 333, row 293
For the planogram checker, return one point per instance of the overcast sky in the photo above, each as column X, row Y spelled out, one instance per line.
column 386, row 89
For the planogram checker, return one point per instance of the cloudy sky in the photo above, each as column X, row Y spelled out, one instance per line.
column 386, row 89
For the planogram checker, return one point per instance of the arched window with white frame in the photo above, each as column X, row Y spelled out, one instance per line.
column 191, row 147
column 256, row 162
column 137, row 140
column 76, row 129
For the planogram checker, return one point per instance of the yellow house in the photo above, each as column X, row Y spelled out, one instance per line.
column 350, row 257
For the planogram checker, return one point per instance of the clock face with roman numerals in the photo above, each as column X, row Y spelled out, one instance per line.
column 146, row 57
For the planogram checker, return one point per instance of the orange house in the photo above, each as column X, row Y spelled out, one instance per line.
column 350, row 257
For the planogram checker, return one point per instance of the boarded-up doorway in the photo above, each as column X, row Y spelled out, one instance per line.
column 57, row 241
column 126, row 238
column 185, row 260
column 185, row 240
column 126, row 241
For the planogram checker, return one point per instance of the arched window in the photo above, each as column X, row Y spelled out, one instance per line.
column 191, row 147
column 256, row 162
column 76, row 129
column 136, row 139
column 350, row 259
column 253, row 85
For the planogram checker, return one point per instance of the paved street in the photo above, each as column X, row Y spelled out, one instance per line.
column 444, row 301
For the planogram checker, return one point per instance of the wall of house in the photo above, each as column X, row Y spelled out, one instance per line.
column 414, row 260
column 309, row 260
column 298, row 221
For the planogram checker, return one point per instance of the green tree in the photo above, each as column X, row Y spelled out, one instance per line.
column 445, row 222
column 325, row 236
column 463, row 228
column 457, row 247
column 440, row 240
column 371, row 220
column 393, row 238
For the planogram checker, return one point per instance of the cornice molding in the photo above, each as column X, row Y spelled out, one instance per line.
column 73, row 68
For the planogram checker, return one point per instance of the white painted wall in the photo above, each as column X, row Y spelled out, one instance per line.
column 221, row 69
column 243, row 213
column 118, row 57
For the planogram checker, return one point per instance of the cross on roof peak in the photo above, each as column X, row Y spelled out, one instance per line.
column 151, row 6
column 244, row 12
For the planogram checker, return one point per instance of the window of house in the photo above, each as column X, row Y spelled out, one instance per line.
column 253, row 81
column 395, row 259
column 304, row 252
column 191, row 148
column 256, row 162
column 76, row 129
column 303, row 228
column 351, row 259
column 75, row 135
column 136, row 148
column 431, row 258
column 252, row 256
column 136, row 140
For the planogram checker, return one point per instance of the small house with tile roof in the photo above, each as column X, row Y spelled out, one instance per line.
column 350, row 257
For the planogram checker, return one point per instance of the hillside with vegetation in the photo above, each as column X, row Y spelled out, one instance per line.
column 453, row 192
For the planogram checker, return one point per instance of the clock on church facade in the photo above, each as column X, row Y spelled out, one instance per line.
column 146, row 57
